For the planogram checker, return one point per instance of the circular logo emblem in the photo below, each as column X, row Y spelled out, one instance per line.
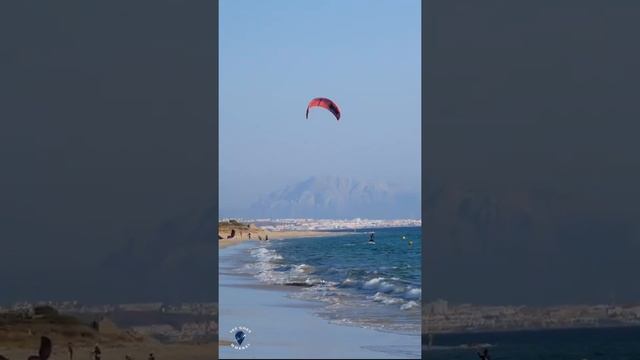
column 240, row 335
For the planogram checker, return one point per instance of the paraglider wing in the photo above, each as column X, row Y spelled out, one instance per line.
column 324, row 103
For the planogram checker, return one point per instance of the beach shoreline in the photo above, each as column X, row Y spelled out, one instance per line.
column 272, row 235
column 284, row 327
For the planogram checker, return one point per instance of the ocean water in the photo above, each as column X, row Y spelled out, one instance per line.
column 360, row 284
column 569, row 344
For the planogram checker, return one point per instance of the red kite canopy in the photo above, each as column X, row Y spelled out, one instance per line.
column 324, row 103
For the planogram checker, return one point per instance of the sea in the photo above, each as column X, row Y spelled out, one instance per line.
column 622, row 343
column 357, row 283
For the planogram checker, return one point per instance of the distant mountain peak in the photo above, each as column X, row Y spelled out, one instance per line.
column 333, row 196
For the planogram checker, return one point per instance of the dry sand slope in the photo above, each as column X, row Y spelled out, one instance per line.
column 20, row 338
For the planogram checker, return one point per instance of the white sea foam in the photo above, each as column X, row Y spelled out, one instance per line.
column 269, row 268
column 380, row 284
column 349, row 282
column 409, row 305
column 264, row 254
column 385, row 299
column 302, row 268
column 413, row 294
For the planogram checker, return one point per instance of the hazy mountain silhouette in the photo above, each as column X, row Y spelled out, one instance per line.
column 339, row 197
column 526, row 246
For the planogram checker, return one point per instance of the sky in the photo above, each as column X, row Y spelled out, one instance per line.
column 275, row 56
column 531, row 113
column 108, row 129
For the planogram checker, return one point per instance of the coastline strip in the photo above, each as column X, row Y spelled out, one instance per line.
column 276, row 235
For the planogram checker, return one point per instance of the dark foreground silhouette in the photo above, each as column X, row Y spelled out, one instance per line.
column 43, row 353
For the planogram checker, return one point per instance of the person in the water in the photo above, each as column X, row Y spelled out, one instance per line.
column 371, row 239
column 484, row 355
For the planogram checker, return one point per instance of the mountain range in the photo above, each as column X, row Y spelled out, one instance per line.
column 339, row 197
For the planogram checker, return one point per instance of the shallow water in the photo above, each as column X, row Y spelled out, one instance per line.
column 285, row 327
column 362, row 284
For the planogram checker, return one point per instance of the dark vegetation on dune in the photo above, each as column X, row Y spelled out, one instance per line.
column 21, row 330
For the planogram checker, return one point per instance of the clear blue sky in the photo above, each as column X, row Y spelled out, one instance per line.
column 276, row 55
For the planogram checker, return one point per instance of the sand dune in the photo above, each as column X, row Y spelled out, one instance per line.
column 20, row 338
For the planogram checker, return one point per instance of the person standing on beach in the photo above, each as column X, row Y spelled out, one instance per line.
column 96, row 353
column 249, row 236
column 266, row 238
column 70, row 349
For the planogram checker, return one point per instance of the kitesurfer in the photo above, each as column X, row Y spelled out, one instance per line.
column 371, row 241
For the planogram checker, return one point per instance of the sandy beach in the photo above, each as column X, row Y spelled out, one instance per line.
column 20, row 338
column 242, row 232
column 137, row 352
column 19, row 344
column 282, row 327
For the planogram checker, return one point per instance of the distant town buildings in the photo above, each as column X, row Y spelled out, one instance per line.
column 439, row 316
column 327, row 224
